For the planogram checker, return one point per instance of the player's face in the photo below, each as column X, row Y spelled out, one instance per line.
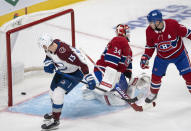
column 52, row 48
column 154, row 25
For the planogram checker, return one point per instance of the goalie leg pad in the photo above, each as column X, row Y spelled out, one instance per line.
column 123, row 83
column 114, row 99
column 111, row 77
column 139, row 86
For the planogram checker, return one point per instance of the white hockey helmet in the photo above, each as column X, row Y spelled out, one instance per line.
column 123, row 30
column 45, row 39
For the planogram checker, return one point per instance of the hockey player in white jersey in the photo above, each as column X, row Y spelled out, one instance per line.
column 64, row 61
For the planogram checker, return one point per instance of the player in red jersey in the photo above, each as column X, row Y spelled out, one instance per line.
column 114, row 73
column 68, row 65
column 115, row 65
column 165, row 35
column 117, row 54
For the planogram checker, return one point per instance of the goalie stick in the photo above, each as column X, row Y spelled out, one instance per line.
column 123, row 95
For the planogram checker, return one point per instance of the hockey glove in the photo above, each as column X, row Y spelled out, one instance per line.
column 144, row 61
column 128, row 74
column 49, row 66
column 90, row 80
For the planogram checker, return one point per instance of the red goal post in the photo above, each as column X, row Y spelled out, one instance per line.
column 25, row 26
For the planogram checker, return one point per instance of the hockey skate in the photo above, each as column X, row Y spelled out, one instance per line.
column 151, row 98
column 50, row 124
column 48, row 117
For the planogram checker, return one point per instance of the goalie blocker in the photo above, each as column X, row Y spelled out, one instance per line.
column 111, row 77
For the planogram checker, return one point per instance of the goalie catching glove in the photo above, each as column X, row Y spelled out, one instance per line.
column 91, row 81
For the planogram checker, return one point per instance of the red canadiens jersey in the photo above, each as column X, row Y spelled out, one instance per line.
column 117, row 55
column 68, row 59
column 168, row 42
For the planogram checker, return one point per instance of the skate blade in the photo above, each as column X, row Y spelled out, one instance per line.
column 55, row 128
column 46, row 120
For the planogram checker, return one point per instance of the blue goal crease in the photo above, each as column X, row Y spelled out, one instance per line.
column 74, row 106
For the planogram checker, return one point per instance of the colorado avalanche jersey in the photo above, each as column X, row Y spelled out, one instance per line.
column 168, row 42
column 117, row 55
column 68, row 59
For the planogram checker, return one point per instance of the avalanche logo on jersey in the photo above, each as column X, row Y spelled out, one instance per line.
column 167, row 45
column 62, row 50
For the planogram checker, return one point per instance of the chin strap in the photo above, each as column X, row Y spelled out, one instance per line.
column 157, row 26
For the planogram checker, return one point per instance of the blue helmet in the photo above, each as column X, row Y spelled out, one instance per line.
column 154, row 16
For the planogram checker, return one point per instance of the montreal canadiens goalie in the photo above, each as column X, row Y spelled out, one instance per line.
column 114, row 73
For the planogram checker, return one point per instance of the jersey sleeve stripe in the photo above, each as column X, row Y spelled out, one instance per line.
column 111, row 62
column 123, row 58
column 112, row 58
column 102, row 67
column 112, row 55
column 155, row 85
column 149, row 47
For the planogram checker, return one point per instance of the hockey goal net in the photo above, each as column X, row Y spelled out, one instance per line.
column 20, row 53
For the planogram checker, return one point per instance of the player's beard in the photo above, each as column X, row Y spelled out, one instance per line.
column 158, row 29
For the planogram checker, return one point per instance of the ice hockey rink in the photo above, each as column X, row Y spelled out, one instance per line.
column 95, row 21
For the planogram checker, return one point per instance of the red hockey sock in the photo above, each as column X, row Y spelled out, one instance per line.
column 155, row 84
column 56, row 115
column 187, row 78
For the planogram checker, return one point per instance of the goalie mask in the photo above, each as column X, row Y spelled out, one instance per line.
column 45, row 40
column 123, row 30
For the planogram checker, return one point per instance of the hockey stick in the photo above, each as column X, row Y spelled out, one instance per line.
column 78, row 80
column 73, row 77
column 123, row 95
